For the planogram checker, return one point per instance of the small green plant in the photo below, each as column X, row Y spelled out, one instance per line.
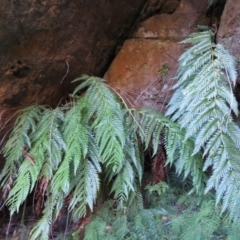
column 172, row 216
column 159, row 188
column 163, row 71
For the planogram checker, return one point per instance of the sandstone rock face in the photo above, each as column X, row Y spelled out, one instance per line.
column 44, row 45
column 229, row 29
column 39, row 39
column 143, row 70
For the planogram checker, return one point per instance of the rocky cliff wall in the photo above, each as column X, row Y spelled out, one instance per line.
column 144, row 69
column 44, row 45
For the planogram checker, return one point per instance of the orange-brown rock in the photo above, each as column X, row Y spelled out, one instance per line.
column 44, row 45
column 143, row 70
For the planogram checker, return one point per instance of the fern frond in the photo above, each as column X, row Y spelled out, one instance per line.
column 85, row 189
column 207, row 73
column 123, row 184
column 87, row 81
column 19, row 143
column 228, row 62
column 233, row 232
column 49, row 139
column 107, row 125
column 96, row 229
column 41, row 160
column 75, row 134
column 178, row 149
column 205, row 223
column 52, row 205
column 127, row 180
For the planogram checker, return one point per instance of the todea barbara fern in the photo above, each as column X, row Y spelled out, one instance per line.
column 203, row 104
column 61, row 152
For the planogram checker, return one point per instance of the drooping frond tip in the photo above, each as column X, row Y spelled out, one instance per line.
column 202, row 104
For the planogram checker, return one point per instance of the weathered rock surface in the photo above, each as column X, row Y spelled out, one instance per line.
column 39, row 39
column 143, row 70
column 44, row 45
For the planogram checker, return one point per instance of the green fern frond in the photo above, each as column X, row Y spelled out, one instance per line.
column 75, row 134
column 85, row 189
column 228, row 61
column 42, row 159
column 107, row 125
column 52, row 207
column 94, row 152
column 19, row 143
column 86, row 82
column 18, row 194
column 233, row 232
column 49, row 139
column 179, row 150
column 152, row 125
column 205, row 223
column 96, row 229
column 127, row 178
column 207, row 74
column 123, row 184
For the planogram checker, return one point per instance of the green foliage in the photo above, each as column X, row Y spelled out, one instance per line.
column 179, row 151
column 18, row 140
column 202, row 104
column 163, row 71
column 107, row 225
column 174, row 215
column 61, row 153
column 159, row 188
column 107, row 125
column 35, row 149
